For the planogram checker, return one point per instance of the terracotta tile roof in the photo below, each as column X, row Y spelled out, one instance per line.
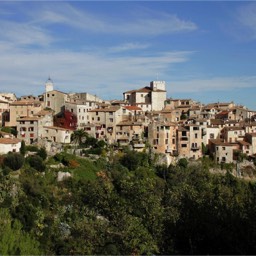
column 57, row 128
column 9, row 140
column 25, row 102
column 5, row 102
column 129, row 123
column 29, row 118
column 145, row 90
column 43, row 113
column 244, row 143
column 107, row 109
column 221, row 143
column 133, row 108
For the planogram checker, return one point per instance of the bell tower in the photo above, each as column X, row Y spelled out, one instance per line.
column 49, row 85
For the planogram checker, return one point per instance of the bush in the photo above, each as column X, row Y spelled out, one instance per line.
column 42, row 153
column 32, row 148
column 14, row 161
column 36, row 162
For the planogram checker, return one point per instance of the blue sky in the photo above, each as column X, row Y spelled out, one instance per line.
column 204, row 50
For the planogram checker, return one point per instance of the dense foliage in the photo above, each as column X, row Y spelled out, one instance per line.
column 128, row 204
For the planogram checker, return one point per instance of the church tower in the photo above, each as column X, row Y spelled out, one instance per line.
column 49, row 85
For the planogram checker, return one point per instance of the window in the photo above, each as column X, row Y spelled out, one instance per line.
column 98, row 118
column 195, row 135
column 31, row 122
column 166, row 141
column 184, row 133
column 48, row 103
column 183, row 145
column 111, row 120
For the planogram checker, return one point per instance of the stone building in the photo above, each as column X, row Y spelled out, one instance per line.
column 148, row 98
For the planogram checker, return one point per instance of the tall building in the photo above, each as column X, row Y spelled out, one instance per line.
column 149, row 98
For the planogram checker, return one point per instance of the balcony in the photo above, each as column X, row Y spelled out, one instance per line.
column 195, row 147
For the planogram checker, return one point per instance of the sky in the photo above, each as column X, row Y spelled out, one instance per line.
column 203, row 50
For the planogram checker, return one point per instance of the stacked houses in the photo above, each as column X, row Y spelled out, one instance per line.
column 144, row 118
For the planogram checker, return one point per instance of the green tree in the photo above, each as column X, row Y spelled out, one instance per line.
column 42, row 153
column 14, row 161
column 23, row 148
column 13, row 240
column 36, row 162
column 78, row 136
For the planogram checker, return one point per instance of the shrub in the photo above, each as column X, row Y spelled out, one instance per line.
column 36, row 162
column 14, row 161
column 42, row 153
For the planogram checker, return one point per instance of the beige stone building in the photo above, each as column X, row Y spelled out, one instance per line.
column 148, row 98
column 19, row 109
column 4, row 112
column 130, row 131
column 222, row 152
column 31, row 128
column 54, row 99
column 81, row 110
column 251, row 138
column 233, row 134
column 162, row 137
column 105, row 121
column 190, row 138
column 56, row 134
column 8, row 97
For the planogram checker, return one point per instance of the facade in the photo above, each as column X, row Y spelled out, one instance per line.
column 56, row 134
column 55, row 100
column 81, row 110
column 9, row 145
column 148, row 98
column 162, row 137
column 222, row 152
column 129, row 131
column 19, row 109
column 4, row 109
column 30, row 129
column 83, row 97
column 105, row 121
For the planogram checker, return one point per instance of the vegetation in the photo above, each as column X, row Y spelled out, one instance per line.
column 129, row 205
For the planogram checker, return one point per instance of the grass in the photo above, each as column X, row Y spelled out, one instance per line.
column 86, row 170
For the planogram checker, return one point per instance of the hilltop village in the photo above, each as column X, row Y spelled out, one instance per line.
column 144, row 119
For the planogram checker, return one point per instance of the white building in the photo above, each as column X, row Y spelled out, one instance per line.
column 9, row 145
column 148, row 98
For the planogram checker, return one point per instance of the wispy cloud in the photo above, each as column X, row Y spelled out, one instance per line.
column 23, row 34
column 128, row 47
column 244, row 26
column 214, row 84
column 82, row 71
column 68, row 15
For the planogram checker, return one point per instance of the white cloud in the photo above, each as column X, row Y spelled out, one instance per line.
column 23, row 34
column 214, row 84
column 128, row 47
column 244, row 27
column 76, row 71
column 67, row 14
